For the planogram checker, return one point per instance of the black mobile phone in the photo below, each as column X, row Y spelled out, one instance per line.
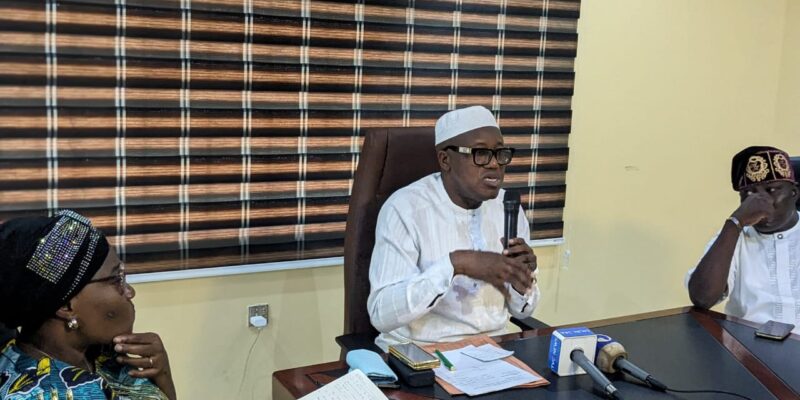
column 774, row 330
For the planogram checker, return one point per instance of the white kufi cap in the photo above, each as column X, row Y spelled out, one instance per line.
column 463, row 120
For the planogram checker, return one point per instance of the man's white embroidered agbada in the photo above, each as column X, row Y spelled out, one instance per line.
column 414, row 295
column 764, row 279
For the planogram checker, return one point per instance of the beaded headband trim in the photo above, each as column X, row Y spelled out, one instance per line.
column 58, row 249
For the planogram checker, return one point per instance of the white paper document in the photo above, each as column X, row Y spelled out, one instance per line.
column 475, row 377
column 353, row 386
column 486, row 352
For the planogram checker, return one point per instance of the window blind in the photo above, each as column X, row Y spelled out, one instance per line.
column 211, row 133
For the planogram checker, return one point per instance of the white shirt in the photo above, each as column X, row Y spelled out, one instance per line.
column 764, row 281
column 414, row 295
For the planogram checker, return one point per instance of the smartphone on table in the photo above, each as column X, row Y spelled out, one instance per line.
column 414, row 356
column 774, row 330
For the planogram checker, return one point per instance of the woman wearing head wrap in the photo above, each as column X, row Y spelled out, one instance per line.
column 64, row 288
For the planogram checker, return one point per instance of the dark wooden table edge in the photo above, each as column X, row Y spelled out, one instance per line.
column 296, row 381
column 737, row 320
column 768, row 378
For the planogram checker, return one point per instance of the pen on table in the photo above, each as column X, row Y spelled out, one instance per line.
column 444, row 359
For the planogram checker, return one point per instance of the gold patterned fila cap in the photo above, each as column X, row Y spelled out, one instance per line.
column 760, row 164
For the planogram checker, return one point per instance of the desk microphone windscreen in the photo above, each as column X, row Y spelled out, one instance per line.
column 610, row 357
column 607, row 354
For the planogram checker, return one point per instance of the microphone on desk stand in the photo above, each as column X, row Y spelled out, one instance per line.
column 608, row 388
column 612, row 357
column 571, row 350
column 511, row 213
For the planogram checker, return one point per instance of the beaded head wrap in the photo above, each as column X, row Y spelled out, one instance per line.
column 44, row 262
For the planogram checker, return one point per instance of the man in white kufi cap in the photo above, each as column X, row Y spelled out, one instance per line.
column 439, row 271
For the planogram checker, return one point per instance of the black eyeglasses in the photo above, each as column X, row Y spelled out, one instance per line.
column 482, row 157
column 119, row 280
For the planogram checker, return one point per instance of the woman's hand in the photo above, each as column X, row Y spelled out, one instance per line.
column 150, row 359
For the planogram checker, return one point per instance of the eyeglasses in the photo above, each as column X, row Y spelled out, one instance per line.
column 119, row 280
column 482, row 157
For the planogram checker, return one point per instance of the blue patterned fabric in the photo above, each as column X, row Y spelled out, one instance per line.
column 25, row 378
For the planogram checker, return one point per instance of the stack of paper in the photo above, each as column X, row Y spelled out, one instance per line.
column 474, row 377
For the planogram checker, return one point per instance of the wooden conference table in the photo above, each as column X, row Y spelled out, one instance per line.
column 685, row 348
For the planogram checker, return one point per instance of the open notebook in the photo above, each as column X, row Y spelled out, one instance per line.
column 353, row 386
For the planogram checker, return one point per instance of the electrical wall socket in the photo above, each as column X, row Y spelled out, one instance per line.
column 257, row 310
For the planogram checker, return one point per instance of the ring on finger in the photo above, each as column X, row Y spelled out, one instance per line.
column 151, row 361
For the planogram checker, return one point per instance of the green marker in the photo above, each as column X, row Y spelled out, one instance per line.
column 445, row 361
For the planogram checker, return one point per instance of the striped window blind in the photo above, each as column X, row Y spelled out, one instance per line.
column 210, row 133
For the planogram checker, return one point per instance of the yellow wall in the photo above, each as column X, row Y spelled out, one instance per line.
column 788, row 111
column 203, row 325
column 666, row 92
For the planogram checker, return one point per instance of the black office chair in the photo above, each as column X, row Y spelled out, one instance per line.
column 6, row 334
column 390, row 159
column 796, row 165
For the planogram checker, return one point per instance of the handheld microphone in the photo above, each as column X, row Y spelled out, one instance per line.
column 570, row 352
column 579, row 358
column 612, row 357
column 511, row 211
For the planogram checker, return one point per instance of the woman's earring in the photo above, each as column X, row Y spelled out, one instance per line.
column 72, row 324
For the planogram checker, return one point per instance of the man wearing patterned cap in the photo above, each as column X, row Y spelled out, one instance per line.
column 755, row 258
column 438, row 270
